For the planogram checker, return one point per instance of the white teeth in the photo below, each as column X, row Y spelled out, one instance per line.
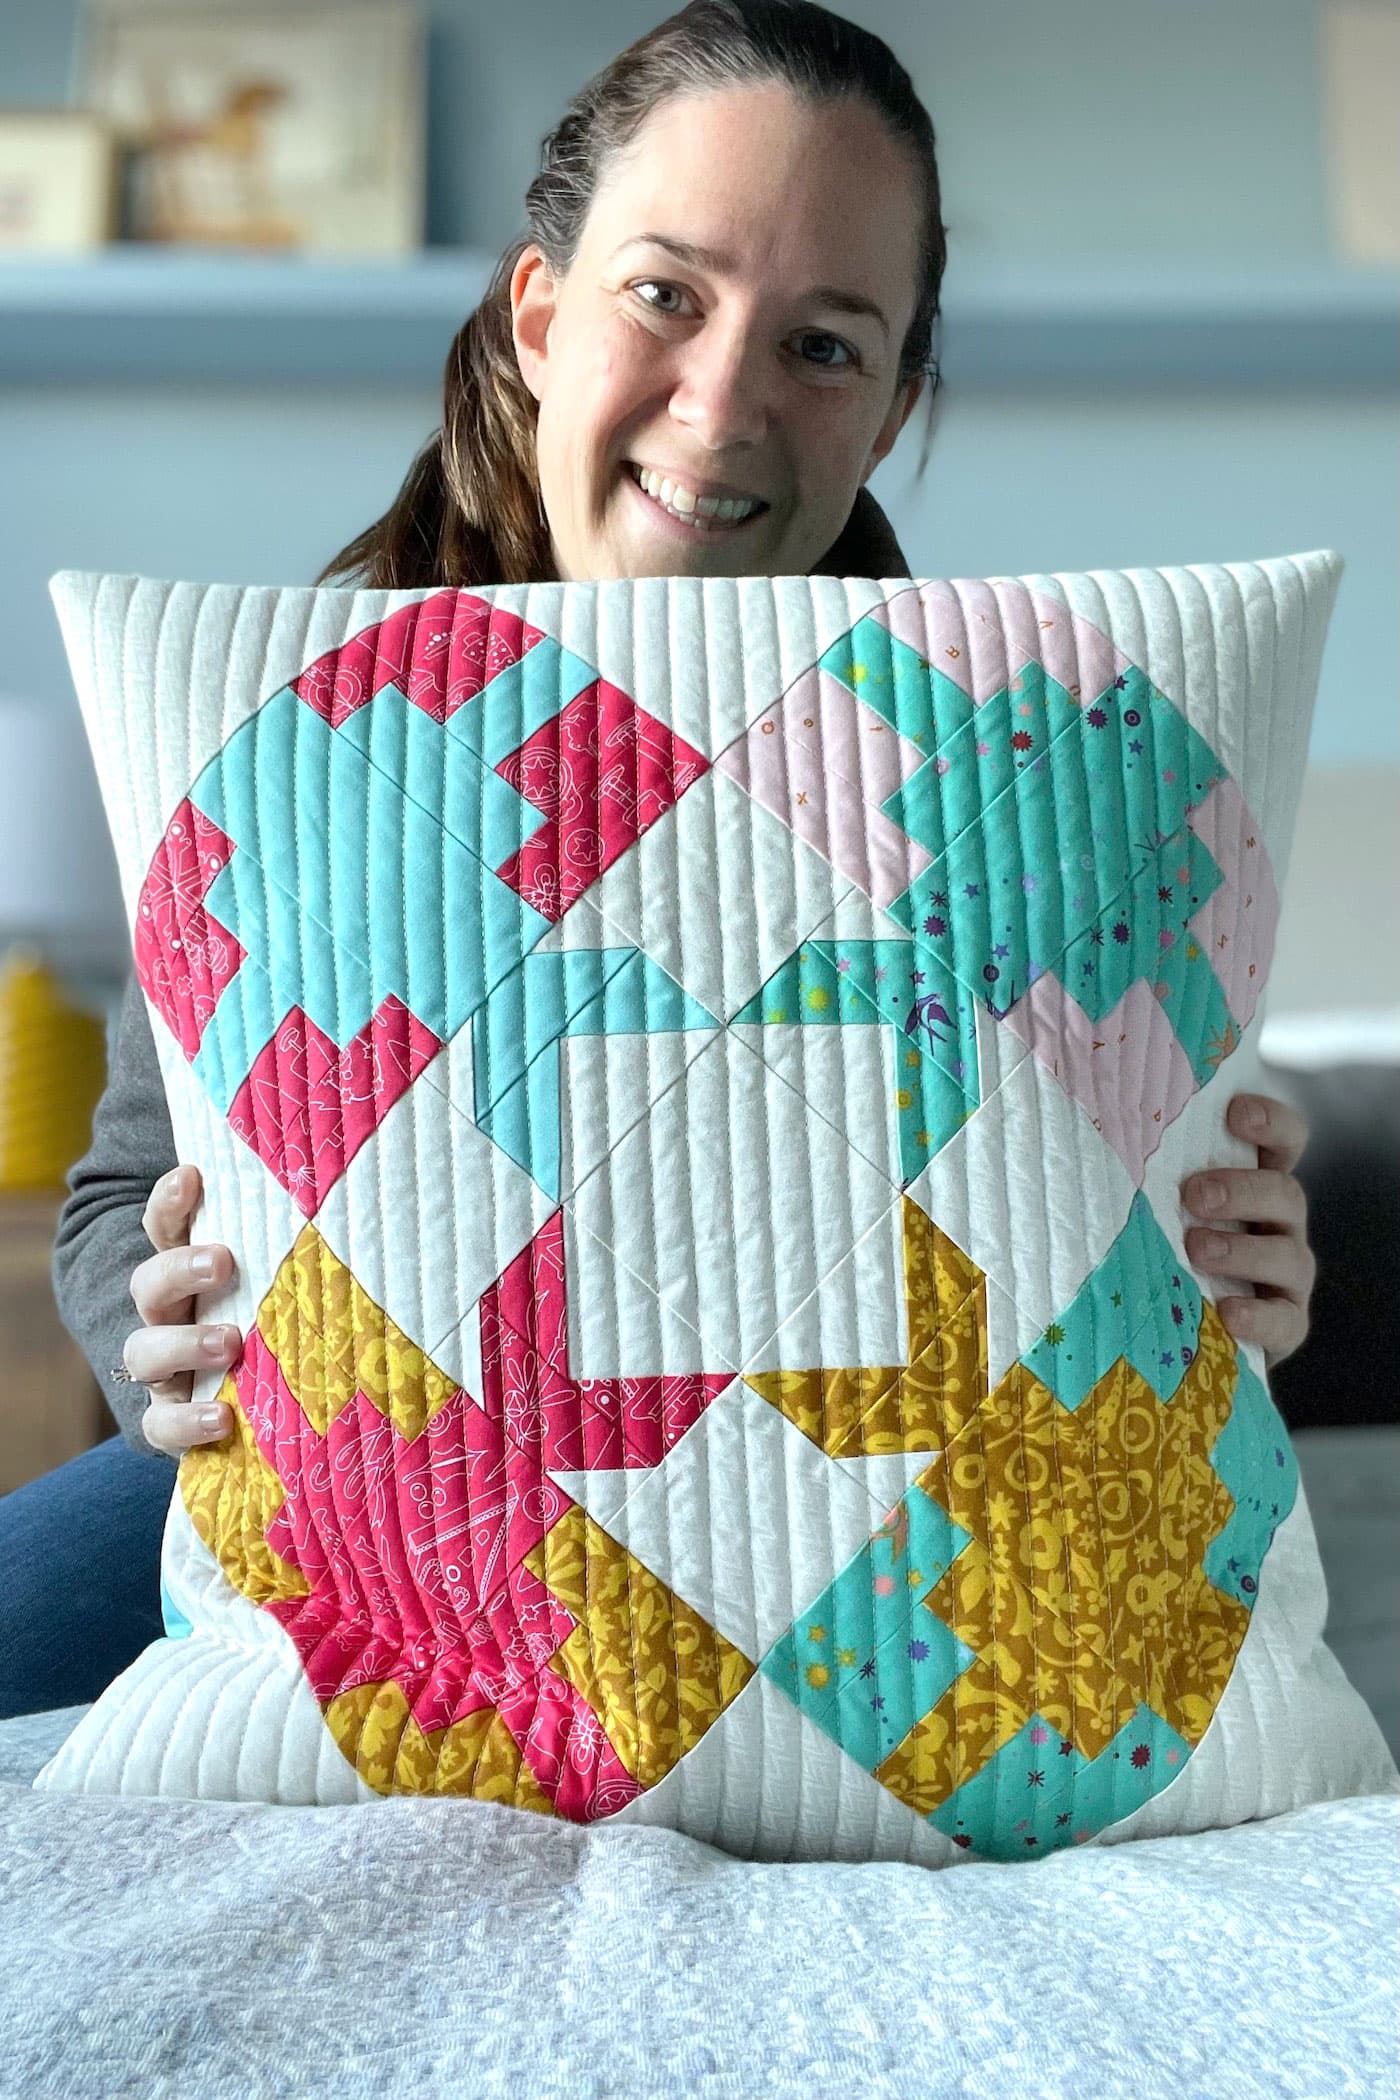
column 685, row 504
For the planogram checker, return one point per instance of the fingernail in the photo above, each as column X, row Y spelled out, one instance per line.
column 1252, row 1116
column 202, row 1266
column 170, row 1187
column 1214, row 1246
column 214, row 1343
column 211, row 1417
column 1210, row 1195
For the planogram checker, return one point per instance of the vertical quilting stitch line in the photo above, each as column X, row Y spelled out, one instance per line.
column 1071, row 1614
column 486, row 701
column 1019, row 1576
column 104, row 715
column 353, row 1412
column 978, row 1412
column 450, row 1625
column 1266, row 729
column 151, row 817
column 98, row 717
column 1106, row 625
column 90, row 701
column 704, row 1420
column 1086, row 1208
column 254, row 1723
column 756, row 1687
column 393, row 1491
column 1265, row 733
column 868, row 803
column 1081, row 1211
column 909, row 1701
column 804, row 654
column 934, row 762
column 589, row 1576
column 284, row 1429
column 151, row 1720
column 1163, row 1406
column 1108, row 1652
column 532, row 1357
column 347, row 1617
column 244, row 1181
column 809, row 1193
column 1154, row 1283
column 1293, row 762
column 145, row 798
column 1310, row 625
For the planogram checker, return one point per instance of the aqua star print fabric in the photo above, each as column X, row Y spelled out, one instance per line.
column 696, row 1076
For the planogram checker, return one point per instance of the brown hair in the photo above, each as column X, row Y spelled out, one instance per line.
column 469, row 511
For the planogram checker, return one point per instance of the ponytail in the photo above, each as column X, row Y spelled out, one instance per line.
column 469, row 509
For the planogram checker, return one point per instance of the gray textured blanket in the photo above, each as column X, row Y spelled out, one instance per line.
column 210, row 1951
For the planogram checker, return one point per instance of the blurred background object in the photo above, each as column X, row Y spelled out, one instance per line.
column 57, row 182
column 52, row 1070
column 296, row 126
column 1360, row 71
column 61, row 927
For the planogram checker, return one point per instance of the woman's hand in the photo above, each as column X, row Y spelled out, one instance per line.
column 165, row 1353
column 1273, row 1251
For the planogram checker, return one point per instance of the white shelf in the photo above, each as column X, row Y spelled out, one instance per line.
column 144, row 314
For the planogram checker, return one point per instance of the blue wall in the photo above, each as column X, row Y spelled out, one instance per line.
column 1089, row 131
column 1108, row 126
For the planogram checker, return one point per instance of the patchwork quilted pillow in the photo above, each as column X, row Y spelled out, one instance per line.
column 696, row 1076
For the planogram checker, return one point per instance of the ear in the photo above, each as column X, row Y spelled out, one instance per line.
column 533, row 298
column 900, row 411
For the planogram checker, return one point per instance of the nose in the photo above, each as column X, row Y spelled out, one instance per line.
column 724, row 389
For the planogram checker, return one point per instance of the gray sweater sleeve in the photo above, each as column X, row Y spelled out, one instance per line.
column 100, row 1238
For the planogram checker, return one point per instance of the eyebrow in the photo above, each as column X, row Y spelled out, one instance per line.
column 697, row 258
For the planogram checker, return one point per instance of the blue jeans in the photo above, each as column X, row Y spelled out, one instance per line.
column 80, row 1575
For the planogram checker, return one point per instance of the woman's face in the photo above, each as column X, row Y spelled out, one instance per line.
column 730, row 325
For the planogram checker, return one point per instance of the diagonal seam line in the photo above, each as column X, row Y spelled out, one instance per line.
column 342, row 947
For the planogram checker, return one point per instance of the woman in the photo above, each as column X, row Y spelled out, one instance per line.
column 708, row 341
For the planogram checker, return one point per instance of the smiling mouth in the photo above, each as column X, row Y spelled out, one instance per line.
column 702, row 514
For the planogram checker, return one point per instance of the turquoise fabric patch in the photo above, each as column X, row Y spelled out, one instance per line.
column 893, row 679
column 859, row 983
column 868, row 1659
column 1063, row 1797
column 177, row 1626
column 516, row 1036
column 435, row 926
column 1254, row 1457
column 1140, row 1302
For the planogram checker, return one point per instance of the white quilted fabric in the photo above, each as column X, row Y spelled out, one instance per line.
column 696, row 1076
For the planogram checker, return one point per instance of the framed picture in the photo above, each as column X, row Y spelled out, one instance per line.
column 57, row 189
column 282, row 127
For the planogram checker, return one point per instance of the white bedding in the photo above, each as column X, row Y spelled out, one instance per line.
column 211, row 1951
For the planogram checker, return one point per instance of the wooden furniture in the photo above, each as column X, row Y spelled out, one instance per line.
column 51, row 1406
